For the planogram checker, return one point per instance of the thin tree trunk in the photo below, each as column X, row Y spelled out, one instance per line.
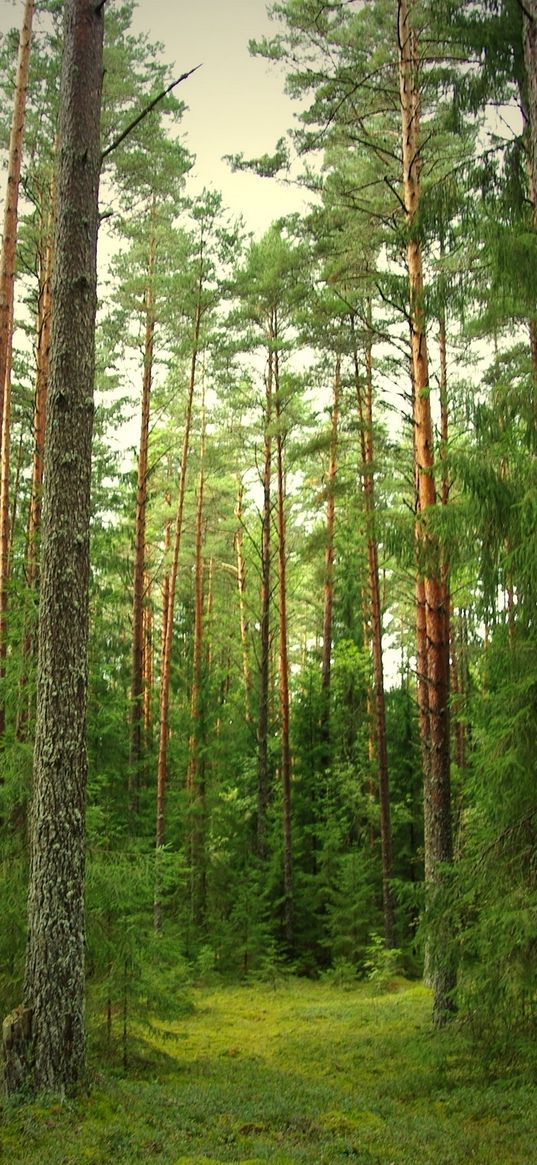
column 44, row 313
column 147, row 657
column 241, row 584
column 9, row 245
column 53, row 1015
column 437, row 804
column 137, row 672
column 328, row 604
column 365, row 410
column 167, row 629
column 283, row 658
column 7, row 298
column 264, row 661
column 195, row 772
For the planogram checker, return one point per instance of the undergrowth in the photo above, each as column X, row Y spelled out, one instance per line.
column 289, row 1072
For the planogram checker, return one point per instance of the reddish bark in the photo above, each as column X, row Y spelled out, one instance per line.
column 168, row 612
column 437, row 806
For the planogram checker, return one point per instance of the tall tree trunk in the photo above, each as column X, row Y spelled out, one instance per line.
column 44, row 306
column 7, row 298
column 147, row 657
column 9, row 245
column 44, row 315
column 437, row 803
column 53, row 1016
column 241, row 584
column 264, row 645
column 283, row 654
column 195, row 773
column 328, row 604
column 168, row 612
column 365, row 411
column 137, row 672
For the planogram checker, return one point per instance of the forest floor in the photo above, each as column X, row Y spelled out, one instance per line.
column 299, row 1073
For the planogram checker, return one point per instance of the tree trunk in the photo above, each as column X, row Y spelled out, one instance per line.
column 365, row 410
column 241, row 584
column 283, row 658
column 9, row 245
column 437, row 804
column 137, row 672
column 264, row 646
column 195, row 773
column 54, row 984
column 7, row 298
column 329, row 573
column 147, row 657
column 44, row 306
column 168, row 612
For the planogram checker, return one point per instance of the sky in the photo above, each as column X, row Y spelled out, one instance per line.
column 236, row 103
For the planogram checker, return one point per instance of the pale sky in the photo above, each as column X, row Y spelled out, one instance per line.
column 236, row 103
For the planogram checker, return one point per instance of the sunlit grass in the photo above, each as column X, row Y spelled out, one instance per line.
column 305, row 1073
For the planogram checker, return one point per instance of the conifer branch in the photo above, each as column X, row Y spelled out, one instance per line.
column 148, row 109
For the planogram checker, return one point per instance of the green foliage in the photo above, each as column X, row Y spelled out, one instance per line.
column 381, row 963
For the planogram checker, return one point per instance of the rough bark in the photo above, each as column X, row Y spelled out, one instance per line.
column 54, row 982
column 437, row 806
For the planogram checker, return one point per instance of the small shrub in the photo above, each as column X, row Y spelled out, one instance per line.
column 381, row 963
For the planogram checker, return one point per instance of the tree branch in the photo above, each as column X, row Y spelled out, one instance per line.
column 148, row 109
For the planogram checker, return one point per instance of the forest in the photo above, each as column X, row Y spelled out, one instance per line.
column 268, row 559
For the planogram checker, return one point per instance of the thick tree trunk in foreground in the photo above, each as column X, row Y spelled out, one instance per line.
column 437, row 802
column 53, row 1017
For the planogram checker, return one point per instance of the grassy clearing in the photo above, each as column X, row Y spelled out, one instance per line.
column 305, row 1074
